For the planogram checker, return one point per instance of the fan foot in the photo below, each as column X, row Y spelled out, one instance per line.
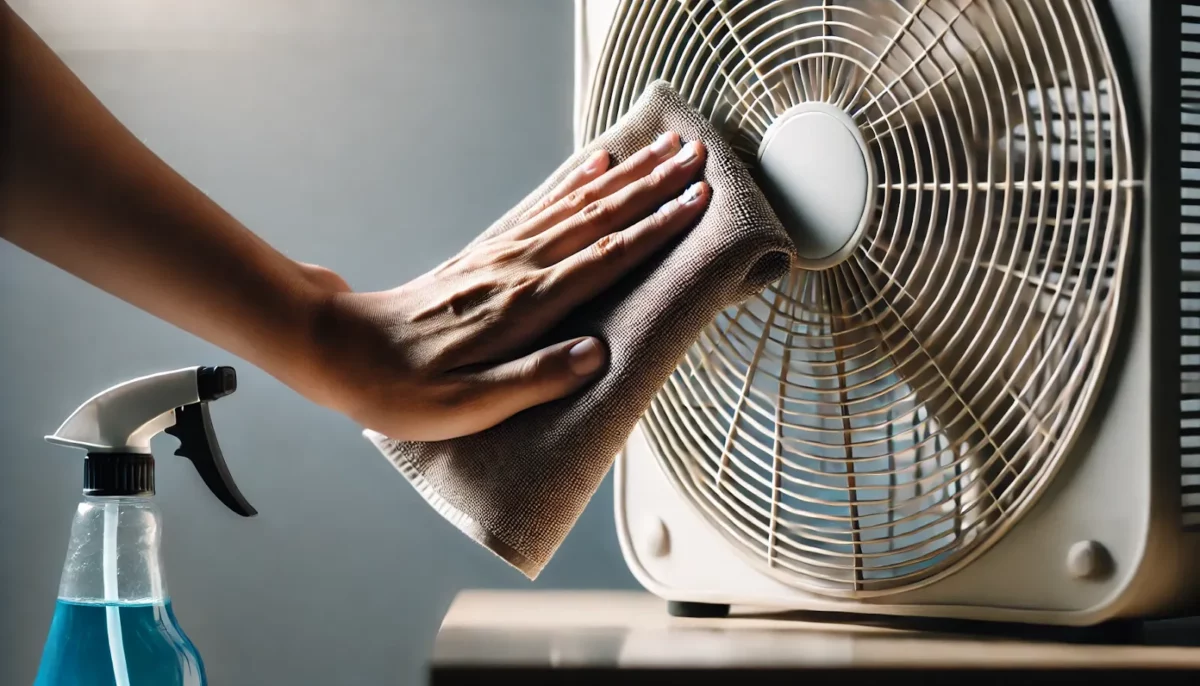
column 1119, row 631
column 682, row 608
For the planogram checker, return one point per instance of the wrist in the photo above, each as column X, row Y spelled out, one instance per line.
column 324, row 281
column 314, row 367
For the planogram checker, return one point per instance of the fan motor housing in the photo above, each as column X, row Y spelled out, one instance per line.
column 814, row 168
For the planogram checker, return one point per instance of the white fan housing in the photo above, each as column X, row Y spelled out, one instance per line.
column 976, row 396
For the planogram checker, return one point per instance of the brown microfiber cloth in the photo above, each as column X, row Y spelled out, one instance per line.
column 518, row 487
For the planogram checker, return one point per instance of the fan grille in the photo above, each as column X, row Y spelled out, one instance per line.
column 864, row 428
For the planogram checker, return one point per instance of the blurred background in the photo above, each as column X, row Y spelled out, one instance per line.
column 375, row 137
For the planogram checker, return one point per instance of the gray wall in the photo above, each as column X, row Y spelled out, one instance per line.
column 375, row 138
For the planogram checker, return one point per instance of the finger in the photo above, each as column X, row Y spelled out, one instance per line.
column 585, row 274
column 592, row 168
column 621, row 209
column 638, row 165
column 548, row 374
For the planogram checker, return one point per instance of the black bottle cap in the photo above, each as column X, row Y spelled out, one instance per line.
column 118, row 474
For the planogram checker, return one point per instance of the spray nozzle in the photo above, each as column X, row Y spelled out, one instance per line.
column 116, row 426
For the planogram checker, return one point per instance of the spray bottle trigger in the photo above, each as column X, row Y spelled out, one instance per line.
column 198, row 443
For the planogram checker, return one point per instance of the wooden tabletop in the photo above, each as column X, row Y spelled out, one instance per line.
column 564, row 637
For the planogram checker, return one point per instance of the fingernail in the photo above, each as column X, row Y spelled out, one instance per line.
column 668, row 207
column 692, row 194
column 584, row 357
column 686, row 154
column 663, row 143
column 595, row 160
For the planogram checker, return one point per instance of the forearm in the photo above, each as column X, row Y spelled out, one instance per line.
column 78, row 190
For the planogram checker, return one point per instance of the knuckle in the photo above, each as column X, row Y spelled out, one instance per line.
column 539, row 253
column 659, row 176
column 579, row 197
column 521, row 295
column 521, row 250
column 532, row 368
column 540, row 206
column 521, row 288
column 597, row 212
column 510, row 252
column 610, row 247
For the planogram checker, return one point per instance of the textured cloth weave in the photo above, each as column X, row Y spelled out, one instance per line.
column 519, row 487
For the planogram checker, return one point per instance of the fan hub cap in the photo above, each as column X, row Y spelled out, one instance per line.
column 815, row 171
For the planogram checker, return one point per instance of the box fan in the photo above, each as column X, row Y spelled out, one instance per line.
column 977, row 394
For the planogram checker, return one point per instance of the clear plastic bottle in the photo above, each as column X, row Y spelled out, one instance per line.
column 113, row 624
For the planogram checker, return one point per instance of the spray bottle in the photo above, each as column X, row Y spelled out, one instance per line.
column 113, row 623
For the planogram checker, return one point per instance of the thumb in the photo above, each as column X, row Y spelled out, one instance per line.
column 548, row 374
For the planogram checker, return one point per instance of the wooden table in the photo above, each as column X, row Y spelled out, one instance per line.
column 521, row 637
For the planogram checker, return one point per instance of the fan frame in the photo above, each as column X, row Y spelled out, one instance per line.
column 1155, row 559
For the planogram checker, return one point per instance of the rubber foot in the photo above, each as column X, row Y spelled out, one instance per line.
column 680, row 608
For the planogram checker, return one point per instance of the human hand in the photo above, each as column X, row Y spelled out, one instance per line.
column 447, row 354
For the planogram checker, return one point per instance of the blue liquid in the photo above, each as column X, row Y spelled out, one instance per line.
column 156, row 650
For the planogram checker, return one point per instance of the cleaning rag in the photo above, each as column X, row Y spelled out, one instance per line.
column 519, row 487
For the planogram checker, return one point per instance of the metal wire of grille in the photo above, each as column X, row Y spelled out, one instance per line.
column 864, row 429
column 1189, row 253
